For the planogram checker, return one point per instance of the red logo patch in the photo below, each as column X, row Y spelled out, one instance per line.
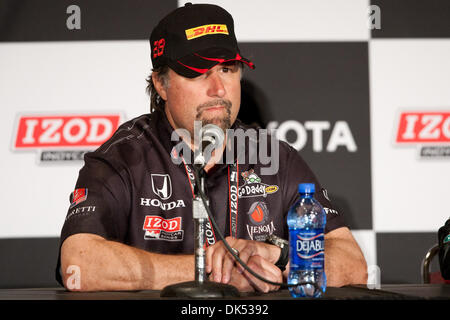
column 78, row 196
column 258, row 213
column 423, row 127
column 157, row 227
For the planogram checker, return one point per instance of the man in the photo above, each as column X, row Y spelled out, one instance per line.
column 129, row 226
column 444, row 248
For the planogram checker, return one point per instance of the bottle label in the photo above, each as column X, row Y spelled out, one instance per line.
column 307, row 249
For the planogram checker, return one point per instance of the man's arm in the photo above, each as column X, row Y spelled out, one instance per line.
column 344, row 260
column 108, row 265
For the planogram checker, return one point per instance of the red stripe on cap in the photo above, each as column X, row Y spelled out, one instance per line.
column 249, row 63
column 193, row 68
column 212, row 59
column 218, row 60
column 238, row 58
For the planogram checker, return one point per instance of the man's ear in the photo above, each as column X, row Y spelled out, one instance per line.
column 158, row 84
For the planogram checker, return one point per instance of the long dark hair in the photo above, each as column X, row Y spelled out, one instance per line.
column 156, row 102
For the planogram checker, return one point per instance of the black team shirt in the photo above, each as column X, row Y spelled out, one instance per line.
column 131, row 191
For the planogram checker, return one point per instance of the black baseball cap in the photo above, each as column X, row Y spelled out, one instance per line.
column 194, row 38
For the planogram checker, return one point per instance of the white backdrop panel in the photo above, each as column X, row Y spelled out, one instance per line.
column 293, row 20
column 58, row 78
column 366, row 240
column 409, row 193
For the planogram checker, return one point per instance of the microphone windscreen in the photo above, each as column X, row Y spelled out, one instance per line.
column 211, row 134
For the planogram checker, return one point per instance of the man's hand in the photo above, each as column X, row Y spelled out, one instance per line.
column 260, row 257
column 245, row 282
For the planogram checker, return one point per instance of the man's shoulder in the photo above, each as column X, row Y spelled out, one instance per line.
column 129, row 138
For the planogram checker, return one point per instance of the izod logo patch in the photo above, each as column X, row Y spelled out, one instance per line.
column 205, row 30
column 158, row 228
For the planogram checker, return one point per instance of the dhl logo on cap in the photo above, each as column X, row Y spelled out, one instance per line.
column 205, row 30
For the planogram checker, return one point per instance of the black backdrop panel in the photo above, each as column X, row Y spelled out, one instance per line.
column 45, row 20
column 318, row 82
column 413, row 19
column 399, row 255
column 28, row 262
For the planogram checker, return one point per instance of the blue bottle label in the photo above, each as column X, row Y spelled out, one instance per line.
column 307, row 249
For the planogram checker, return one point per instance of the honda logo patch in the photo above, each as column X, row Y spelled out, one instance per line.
column 162, row 186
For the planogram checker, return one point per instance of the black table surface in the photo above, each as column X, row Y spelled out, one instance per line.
column 386, row 292
column 403, row 301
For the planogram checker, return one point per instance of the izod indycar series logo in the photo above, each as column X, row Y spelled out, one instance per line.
column 428, row 130
column 158, row 228
column 64, row 137
column 253, row 187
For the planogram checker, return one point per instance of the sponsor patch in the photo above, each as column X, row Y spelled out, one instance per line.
column 81, row 211
column 162, row 185
column 78, row 196
column 260, row 227
column 158, row 228
column 258, row 213
column 162, row 205
column 205, row 30
column 330, row 211
column 253, row 187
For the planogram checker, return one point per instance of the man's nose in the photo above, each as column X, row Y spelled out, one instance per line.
column 215, row 86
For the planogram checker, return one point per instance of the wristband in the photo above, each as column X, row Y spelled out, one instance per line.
column 284, row 246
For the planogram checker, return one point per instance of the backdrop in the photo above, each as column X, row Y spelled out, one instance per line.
column 360, row 89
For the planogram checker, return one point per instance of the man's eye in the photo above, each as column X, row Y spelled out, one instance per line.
column 225, row 69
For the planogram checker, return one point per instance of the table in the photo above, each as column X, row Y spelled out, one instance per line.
column 360, row 292
column 405, row 297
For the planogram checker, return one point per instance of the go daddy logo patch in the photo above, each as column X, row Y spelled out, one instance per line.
column 205, row 30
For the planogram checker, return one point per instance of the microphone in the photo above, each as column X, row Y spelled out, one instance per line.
column 211, row 138
column 444, row 250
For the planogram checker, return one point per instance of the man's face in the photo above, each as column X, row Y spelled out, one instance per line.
column 213, row 97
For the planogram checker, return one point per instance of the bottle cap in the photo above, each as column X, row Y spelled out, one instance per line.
column 306, row 188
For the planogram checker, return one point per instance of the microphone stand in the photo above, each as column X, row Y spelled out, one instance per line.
column 201, row 287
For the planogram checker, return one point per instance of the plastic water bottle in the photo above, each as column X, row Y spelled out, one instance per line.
column 306, row 221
